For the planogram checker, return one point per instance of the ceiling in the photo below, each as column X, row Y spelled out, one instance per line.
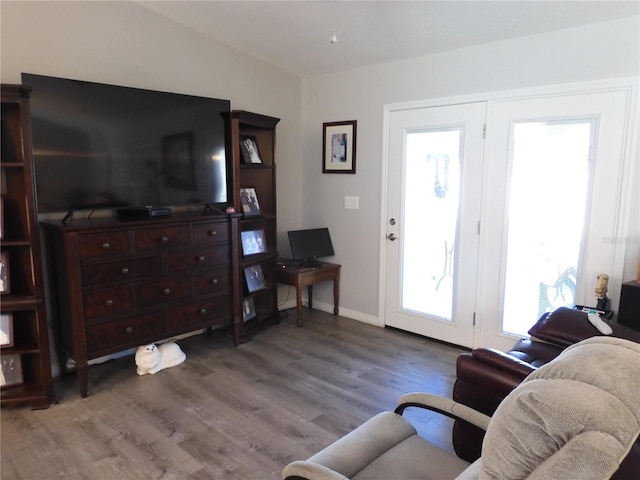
column 294, row 35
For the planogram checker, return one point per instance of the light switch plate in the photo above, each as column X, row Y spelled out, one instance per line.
column 352, row 203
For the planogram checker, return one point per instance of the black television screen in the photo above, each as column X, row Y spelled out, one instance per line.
column 309, row 245
column 106, row 146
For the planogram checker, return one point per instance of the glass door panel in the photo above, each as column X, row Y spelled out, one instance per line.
column 547, row 208
column 431, row 203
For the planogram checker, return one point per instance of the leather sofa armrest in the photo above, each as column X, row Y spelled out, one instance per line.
column 482, row 385
column 503, row 361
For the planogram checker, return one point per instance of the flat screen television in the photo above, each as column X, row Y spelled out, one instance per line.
column 107, row 146
column 309, row 245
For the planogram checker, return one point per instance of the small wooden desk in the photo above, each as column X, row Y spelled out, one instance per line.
column 307, row 277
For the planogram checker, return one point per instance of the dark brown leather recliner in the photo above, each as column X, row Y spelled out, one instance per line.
column 485, row 376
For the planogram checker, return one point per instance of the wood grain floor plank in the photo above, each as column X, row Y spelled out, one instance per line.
column 236, row 413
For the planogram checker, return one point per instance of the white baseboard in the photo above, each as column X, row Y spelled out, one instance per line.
column 328, row 307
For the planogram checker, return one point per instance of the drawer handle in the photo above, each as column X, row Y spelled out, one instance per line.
column 203, row 311
column 128, row 330
column 201, row 258
column 109, row 303
column 214, row 281
column 106, row 245
column 125, row 271
column 167, row 291
column 212, row 233
column 164, row 239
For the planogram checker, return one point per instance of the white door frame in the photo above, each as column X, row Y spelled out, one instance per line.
column 624, row 187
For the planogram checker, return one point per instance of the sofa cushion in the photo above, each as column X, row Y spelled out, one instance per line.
column 576, row 417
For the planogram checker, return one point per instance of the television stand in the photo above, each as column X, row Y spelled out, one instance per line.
column 307, row 277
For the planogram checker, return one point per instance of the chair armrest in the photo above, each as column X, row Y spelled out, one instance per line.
column 305, row 470
column 445, row 406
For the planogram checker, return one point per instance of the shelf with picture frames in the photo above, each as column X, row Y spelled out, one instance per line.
column 25, row 375
column 252, row 147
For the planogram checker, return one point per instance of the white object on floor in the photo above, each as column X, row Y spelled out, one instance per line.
column 600, row 324
column 151, row 358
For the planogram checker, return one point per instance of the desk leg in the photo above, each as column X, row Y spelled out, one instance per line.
column 336, row 295
column 298, row 305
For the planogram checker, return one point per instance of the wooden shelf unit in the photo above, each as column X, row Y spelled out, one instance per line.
column 24, row 301
column 261, row 177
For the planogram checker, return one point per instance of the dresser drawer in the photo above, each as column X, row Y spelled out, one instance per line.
column 124, row 270
column 210, row 233
column 125, row 332
column 106, row 244
column 202, row 257
column 107, row 302
column 165, row 290
column 212, row 281
column 162, row 238
column 208, row 312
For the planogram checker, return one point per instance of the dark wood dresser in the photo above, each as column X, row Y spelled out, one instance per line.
column 123, row 283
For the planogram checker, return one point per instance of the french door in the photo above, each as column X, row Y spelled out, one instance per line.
column 553, row 181
column 434, row 197
column 483, row 236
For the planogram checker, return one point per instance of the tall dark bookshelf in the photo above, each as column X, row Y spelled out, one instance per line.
column 26, row 361
column 261, row 177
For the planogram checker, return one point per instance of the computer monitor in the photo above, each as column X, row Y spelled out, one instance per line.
column 309, row 245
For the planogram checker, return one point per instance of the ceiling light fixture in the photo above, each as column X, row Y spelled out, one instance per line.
column 334, row 38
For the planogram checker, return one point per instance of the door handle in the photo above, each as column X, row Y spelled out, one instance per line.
column 392, row 237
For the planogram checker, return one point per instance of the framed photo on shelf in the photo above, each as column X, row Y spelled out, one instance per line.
column 177, row 161
column 255, row 278
column 1, row 217
column 4, row 273
column 339, row 147
column 248, row 309
column 6, row 330
column 253, row 242
column 249, row 149
column 11, row 371
column 250, row 204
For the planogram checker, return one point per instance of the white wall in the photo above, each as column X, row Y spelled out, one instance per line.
column 596, row 52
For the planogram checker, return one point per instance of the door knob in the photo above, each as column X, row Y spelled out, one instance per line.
column 392, row 237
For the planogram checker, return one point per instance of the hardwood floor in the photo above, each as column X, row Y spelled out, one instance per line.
column 229, row 413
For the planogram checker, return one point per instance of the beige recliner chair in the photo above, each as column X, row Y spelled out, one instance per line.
column 574, row 418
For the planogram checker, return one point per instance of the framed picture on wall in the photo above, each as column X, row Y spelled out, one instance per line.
column 339, row 147
column 6, row 330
